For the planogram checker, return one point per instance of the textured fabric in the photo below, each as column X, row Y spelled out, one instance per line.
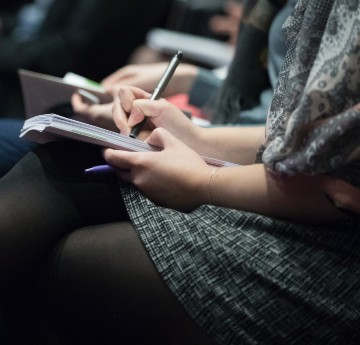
column 249, row 279
column 314, row 120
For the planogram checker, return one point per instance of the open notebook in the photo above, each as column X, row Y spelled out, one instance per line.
column 50, row 127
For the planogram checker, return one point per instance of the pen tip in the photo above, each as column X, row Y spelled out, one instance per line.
column 179, row 54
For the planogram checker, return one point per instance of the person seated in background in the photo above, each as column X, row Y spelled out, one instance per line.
column 252, row 70
column 58, row 36
column 214, row 20
column 170, row 250
column 197, row 84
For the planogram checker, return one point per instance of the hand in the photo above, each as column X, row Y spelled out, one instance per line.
column 175, row 177
column 147, row 76
column 228, row 24
column 132, row 105
column 96, row 114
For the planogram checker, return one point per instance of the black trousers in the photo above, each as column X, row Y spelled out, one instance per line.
column 73, row 269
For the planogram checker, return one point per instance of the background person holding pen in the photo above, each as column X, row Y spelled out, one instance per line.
column 172, row 250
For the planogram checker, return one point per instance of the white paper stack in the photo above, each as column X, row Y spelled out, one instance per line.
column 50, row 127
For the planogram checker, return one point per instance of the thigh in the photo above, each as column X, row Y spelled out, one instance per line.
column 47, row 195
column 12, row 148
column 103, row 276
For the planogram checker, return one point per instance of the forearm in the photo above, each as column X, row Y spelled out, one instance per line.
column 233, row 144
column 252, row 188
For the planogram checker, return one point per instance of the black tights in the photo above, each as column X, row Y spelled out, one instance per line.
column 73, row 268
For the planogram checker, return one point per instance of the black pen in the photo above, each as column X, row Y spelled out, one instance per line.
column 159, row 89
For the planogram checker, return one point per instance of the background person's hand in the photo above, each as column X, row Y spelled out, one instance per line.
column 95, row 114
column 146, row 77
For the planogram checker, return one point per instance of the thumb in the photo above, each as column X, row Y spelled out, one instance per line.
column 160, row 138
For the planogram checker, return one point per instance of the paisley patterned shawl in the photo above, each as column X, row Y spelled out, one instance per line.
column 314, row 121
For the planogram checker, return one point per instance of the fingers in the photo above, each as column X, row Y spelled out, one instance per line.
column 128, row 94
column 126, row 160
column 78, row 104
column 118, row 158
column 154, row 110
column 160, row 138
column 121, row 161
column 83, row 111
column 120, row 117
column 132, row 165
column 124, row 113
column 82, row 107
column 145, row 108
column 132, row 105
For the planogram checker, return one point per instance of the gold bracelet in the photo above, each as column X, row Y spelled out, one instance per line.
column 209, row 183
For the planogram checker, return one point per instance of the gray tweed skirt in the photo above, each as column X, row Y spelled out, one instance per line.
column 250, row 279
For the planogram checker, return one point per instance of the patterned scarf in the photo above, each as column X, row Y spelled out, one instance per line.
column 314, row 121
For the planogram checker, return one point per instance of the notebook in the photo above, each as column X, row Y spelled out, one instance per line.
column 44, row 93
column 50, row 127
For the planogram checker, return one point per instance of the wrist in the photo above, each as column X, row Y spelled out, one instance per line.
column 193, row 137
column 211, row 181
column 202, row 184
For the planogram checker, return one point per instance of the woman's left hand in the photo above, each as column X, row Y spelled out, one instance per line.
column 174, row 177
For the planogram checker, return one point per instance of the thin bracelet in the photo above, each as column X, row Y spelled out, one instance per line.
column 209, row 183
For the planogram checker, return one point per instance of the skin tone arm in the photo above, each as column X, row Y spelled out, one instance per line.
column 146, row 76
column 177, row 177
column 223, row 142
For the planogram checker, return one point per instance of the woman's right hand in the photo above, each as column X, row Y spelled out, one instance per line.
column 146, row 77
column 132, row 105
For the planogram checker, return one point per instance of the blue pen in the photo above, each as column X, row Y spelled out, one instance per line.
column 100, row 169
